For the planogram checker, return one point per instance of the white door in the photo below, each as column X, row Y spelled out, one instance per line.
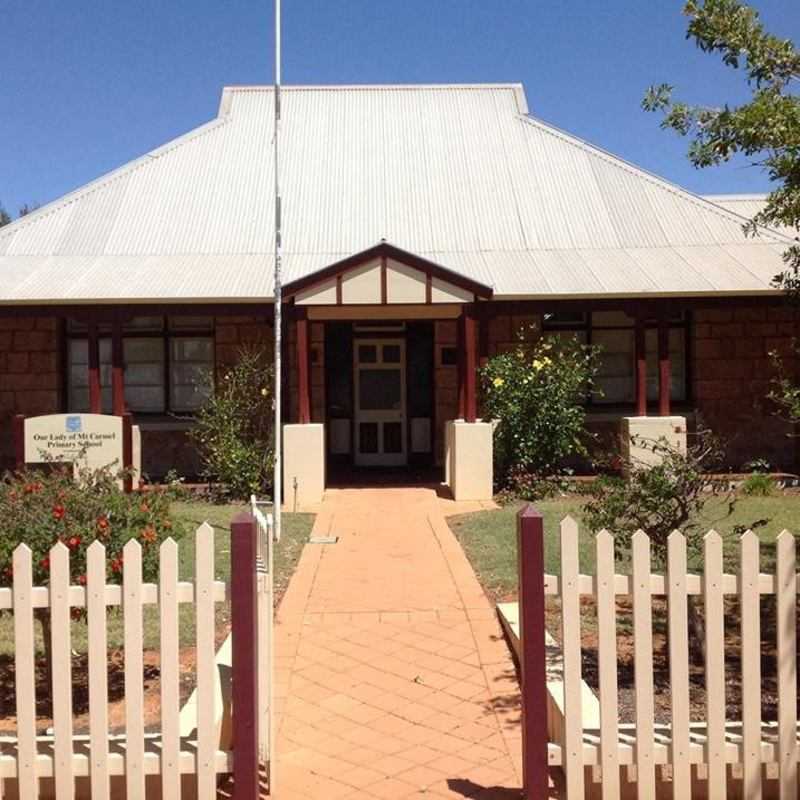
column 380, row 388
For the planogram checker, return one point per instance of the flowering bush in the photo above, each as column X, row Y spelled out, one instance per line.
column 235, row 426
column 39, row 508
column 536, row 393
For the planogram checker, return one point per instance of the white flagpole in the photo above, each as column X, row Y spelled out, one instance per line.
column 277, row 282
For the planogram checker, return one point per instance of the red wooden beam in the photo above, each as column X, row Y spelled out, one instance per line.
column 244, row 667
column 640, row 340
column 95, row 392
column 532, row 653
column 470, row 366
column 117, row 370
column 664, row 369
column 483, row 338
column 303, row 379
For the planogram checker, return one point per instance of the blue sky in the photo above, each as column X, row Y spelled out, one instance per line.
column 90, row 85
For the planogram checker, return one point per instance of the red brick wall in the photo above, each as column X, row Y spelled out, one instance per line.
column 30, row 374
column 731, row 375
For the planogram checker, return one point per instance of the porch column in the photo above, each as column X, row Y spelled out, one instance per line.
column 303, row 380
column 117, row 370
column 95, row 394
column 470, row 366
column 664, row 368
column 460, row 345
column 641, row 365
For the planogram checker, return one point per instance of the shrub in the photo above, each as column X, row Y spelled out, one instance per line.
column 234, row 430
column 536, row 393
column 659, row 499
column 758, row 485
column 39, row 508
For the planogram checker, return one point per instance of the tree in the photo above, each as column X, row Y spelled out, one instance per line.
column 4, row 217
column 766, row 129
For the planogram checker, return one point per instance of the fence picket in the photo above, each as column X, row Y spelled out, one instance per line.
column 786, row 618
column 60, row 616
column 749, row 600
column 170, row 671
column 98, row 670
column 677, row 608
column 25, row 670
column 607, row 665
column 571, row 649
column 204, row 642
column 134, row 670
column 715, row 664
column 643, row 665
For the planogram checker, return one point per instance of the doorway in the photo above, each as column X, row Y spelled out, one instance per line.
column 379, row 375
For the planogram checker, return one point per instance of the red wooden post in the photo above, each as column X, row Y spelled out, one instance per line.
column 664, row 369
column 303, row 381
column 640, row 341
column 127, row 452
column 533, row 654
column 460, row 344
column 95, row 394
column 244, row 632
column 117, row 370
column 19, row 440
column 470, row 366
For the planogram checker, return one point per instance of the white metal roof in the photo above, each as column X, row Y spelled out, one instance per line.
column 460, row 175
column 748, row 205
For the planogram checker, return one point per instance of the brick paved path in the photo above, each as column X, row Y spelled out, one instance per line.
column 392, row 676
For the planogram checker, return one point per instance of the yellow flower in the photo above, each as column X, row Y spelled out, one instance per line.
column 498, row 382
column 537, row 365
column 263, row 392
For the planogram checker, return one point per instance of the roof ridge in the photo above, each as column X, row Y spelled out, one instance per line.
column 651, row 177
column 109, row 177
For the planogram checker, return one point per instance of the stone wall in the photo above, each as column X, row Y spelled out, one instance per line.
column 30, row 374
column 731, row 376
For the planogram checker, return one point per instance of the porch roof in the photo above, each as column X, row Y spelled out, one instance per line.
column 461, row 176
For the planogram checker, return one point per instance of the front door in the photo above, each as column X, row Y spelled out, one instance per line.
column 380, row 408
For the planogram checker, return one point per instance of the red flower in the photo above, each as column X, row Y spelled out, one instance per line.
column 82, row 580
column 45, row 563
column 144, row 508
column 75, row 613
column 74, row 542
column 58, row 512
column 116, row 564
column 102, row 524
column 9, row 572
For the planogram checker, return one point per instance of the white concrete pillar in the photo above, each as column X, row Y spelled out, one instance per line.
column 648, row 430
column 303, row 465
column 469, row 460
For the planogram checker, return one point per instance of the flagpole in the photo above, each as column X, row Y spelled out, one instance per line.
column 277, row 290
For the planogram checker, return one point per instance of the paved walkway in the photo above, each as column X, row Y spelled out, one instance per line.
column 392, row 677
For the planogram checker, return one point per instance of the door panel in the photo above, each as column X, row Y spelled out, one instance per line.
column 380, row 398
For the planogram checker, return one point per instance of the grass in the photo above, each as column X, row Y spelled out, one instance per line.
column 188, row 517
column 489, row 537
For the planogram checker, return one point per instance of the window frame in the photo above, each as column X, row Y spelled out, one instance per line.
column 586, row 327
column 165, row 334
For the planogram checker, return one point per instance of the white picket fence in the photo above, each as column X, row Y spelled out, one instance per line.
column 715, row 757
column 100, row 764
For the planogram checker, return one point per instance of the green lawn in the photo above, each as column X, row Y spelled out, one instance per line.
column 188, row 517
column 489, row 537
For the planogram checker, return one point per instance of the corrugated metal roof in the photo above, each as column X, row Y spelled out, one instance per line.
column 460, row 175
column 747, row 205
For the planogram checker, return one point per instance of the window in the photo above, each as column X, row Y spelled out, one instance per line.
column 613, row 332
column 169, row 364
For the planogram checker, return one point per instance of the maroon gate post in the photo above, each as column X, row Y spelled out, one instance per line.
column 532, row 655
column 127, row 452
column 244, row 630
